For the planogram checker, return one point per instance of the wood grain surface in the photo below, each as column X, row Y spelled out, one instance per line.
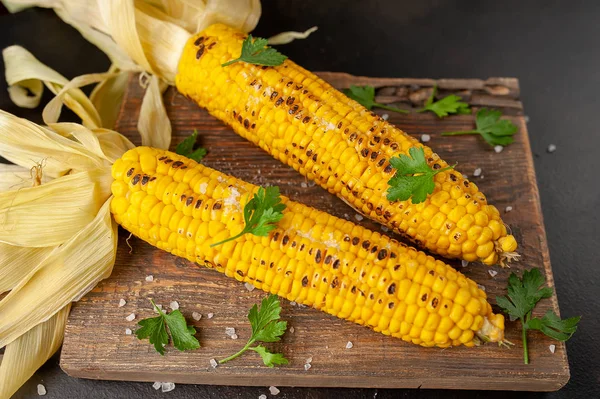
column 97, row 347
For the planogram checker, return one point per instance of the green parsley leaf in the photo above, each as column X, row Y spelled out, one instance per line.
column 365, row 96
column 269, row 359
column 255, row 51
column 523, row 294
column 186, row 148
column 266, row 327
column 261, row 213
column 413, row 178
column 155, row 328
column 553, row 326
column 451, row 104
column 489, row 125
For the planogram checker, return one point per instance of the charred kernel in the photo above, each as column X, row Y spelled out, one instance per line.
column 199, row 40
column 306, row 119
column 434, row 302
column 168, row 160
column 145, row 180
column 318, row 256
column 391, row 305
column 374, row 249
column 381, row 162
column 294, row 109
column 213, row 44
column 431, row 272
column 397, row 267
column 153, row 178
column 276, row 236
column 386, row 141
column 293, row 244
column 279, row 101
column 424, row 298
column 189, row 201
column 200, row 51
column 288, row 84
column 182, row 198
column 198, row 204
column 388, row 169
column 253, row 126
column 382, row 254
column 246, row 123
column 466, row 183
column 366, row 244
column 130, row 172
column 217, row 206
column 328, row 259
column 394, row 146
column 353, row 137
column 274, row 95
column 240, row 119
column 335, row 282
column 305, row 281
column 177, row 164
column 453, row 177
column 241, row 273
column 302, row 247
column 355, row 241
column 314, row 158
column 309, row 153
column 253, row 82
column 136, row 179
column 336, row 264
column 347, row 238
column 285, row 240
column 364, row 152
column 289, row 101
column 353, row 289
column 392, row 289
column 393, row 255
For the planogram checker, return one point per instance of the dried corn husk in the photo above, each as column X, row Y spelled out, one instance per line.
column 65, row 275
column 288, row 37
column 17, row 262
column 27, row 353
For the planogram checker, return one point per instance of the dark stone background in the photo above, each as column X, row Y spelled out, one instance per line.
column 551, row 46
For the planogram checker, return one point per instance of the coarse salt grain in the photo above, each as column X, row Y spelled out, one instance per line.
column 303, row 185
column 234, row 336
column 464, row 263
column 150, row 278
column 263, row 396
column 349, row 345
column 157, row 385
column 385, row 117
column 493, row 273
column 307, row 367
column 229, row 331
column 167, row 386
column 274, row 390
column 498, row 148
column 210, row 315
column 128, row 331
column 384, row 229
column 130, row 317
column 551, row 148
column 196, row 316
column 213, row 363
column 425, row 138
column 477, row 172
column 41, row 390
column 122, row 302
column 292, row 329
column 481, row 287
column 174, row 305
column 293, row 303
column 249, row 287
column 481, row 177
column 552, row 348
column 358, row 217
column 508, row 209
column 309, row 360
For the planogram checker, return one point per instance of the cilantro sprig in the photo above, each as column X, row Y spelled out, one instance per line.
column 261, row 214
column 495, row 131
column 255, row 51
column 365, row 96
column 413, row 178
column 155, row 329
column 266, row 327
column 448, row 105
column 186, row 148
column 523, row 295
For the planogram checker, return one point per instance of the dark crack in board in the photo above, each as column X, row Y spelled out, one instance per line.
column 96, row 345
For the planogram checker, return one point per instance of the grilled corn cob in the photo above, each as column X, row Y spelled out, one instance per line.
column 312, row 258
column 304, row 122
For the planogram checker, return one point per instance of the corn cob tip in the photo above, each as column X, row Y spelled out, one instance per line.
column 492, row 330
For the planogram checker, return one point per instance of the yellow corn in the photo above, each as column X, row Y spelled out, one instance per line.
column 311, row 257
column 304, row 122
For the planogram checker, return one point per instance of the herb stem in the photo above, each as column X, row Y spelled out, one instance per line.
column 524, row 339
column 460, row 132
column 244, row 349
column 402, row 111
column 230, row 62
column 229, row 239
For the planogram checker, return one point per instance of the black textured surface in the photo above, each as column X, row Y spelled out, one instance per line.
column 551, row 46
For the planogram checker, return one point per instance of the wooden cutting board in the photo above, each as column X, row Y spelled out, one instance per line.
column 96, row 345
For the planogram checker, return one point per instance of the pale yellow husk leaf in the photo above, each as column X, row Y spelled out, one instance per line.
column 156, row 120
column 288, row 37
column 18, row 262
column 64, row 276
column 27, row 144
column 108, row 95
column 23, row 71
column 53, row 212
column 30, row 351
